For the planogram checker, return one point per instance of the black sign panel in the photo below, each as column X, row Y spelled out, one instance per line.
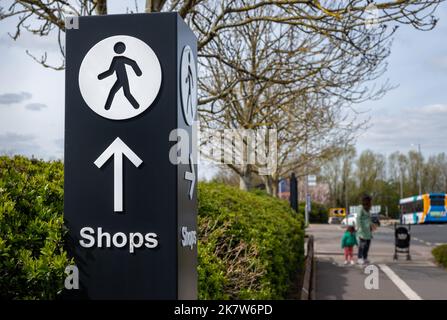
column 130, row 210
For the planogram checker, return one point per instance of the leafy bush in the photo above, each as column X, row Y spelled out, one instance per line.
column 250, row 245
column 32, row 257
column 440, row 255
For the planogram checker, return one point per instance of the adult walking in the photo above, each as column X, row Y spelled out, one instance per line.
column 364, row 230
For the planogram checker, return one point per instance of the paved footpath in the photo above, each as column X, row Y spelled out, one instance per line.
column 417, row 279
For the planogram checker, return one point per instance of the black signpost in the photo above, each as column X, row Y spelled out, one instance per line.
column 293, row 198
column 131, row 213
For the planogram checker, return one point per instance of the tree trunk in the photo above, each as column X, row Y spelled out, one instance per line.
column 271, row 185
column 100, row 7
column 268, row 185
column 275, row 188
column 154, row 5
column 245, row 179
column 148, row 8
column 244, row 183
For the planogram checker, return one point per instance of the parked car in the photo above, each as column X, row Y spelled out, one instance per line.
column 334, row 220
column 349, row 220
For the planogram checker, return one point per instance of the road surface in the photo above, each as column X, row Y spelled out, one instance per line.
column 417, row 279
column 431, row 235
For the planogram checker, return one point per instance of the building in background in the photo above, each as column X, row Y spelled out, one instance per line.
column 284, row 189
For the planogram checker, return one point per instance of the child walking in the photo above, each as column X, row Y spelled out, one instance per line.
column 348, row 242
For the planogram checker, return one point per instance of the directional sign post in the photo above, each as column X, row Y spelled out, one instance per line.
column 130, row 210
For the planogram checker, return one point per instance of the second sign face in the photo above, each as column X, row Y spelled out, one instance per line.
column 120, row 77
column 188, row 85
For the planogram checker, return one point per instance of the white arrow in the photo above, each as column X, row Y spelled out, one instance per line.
column 116, row 149
column 191, row 176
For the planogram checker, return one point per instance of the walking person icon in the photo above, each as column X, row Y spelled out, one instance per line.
column 188, row 85
column 115, row 63
column 118, row 66
column 190, row 82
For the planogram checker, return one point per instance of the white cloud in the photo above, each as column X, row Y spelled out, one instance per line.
column 27, row 40
column 434, row 109
column 439, row 62
column 35, row 106
column 59, row 143
column 11, row 98
column 426, row 125
column 12, row 143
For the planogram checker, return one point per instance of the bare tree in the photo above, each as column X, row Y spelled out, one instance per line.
column 300, row 84
column 295, row 66
column 155, row 5
column 332, row 19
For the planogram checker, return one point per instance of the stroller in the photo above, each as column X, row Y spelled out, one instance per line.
column 402, row 237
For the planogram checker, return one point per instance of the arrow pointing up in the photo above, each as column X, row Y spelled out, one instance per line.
column 116, row 149
column 191, row 176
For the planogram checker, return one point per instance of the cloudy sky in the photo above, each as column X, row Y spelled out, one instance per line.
column 416, row 111
column 32, row 97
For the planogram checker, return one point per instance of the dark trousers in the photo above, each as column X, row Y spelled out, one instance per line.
column 364, row 248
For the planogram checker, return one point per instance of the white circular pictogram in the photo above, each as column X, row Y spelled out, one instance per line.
column 188, row 85
column 120, row 77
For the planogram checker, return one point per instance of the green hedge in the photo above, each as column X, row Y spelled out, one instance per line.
column 440, row 255
column 32, row 257
column 249, row 246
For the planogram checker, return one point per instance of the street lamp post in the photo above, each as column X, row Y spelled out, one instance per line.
column 401, row 183
column 306, row 206
column 419, row 168
column 419, row 164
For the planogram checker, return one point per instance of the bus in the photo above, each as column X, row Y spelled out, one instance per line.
column 336, row 215
column 424, row 209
